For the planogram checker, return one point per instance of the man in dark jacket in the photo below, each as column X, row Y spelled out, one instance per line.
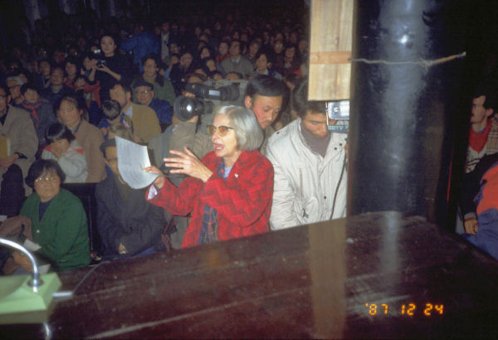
column 128, row 225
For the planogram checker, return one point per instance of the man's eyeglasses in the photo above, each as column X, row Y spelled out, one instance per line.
column 143, row 92
column 222, row 130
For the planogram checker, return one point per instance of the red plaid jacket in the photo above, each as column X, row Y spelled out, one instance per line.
column 243, row 200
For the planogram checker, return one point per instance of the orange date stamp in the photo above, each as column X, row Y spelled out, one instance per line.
column 410, row 309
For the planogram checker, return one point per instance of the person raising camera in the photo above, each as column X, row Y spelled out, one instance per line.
column 111, row 66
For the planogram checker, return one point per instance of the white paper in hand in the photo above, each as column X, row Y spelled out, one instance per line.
column 132, row 159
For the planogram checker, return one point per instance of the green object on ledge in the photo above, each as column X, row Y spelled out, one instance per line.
column 19, row 303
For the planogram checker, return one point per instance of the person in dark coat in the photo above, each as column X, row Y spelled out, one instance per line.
column 128, row 225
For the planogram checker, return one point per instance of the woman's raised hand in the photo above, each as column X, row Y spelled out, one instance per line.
column 187, row 163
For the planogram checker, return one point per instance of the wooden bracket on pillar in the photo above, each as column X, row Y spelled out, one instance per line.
column 330, row 49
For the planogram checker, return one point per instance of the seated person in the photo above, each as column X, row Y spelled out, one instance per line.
column 59, row 223
column 41, row 111
column 65, row 150
column 57, row 89
column 163, row 89
column 482, row 231
column 70, row 113
column 143, row 119
column 114, row 123
column 145, row 95
column 229, row 192
column 127, row 223
column 17, row 127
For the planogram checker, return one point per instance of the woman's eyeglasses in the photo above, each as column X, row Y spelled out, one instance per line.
column 46, row 179
column 222, row 130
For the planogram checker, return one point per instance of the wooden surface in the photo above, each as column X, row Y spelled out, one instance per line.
column 317, row 281
column 330, row 49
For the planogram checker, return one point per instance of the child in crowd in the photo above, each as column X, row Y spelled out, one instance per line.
column 65, row 150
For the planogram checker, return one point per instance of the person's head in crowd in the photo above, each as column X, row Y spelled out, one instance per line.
column 195, row 78
column 89, row 61
column 82, row 43
column 216, row 75
column 165, row 27
column 235, row 49
column 209, row 66
column 121, row 93
column 234, row 76
column 265, row 96
column 278, row 46
column 57, row 77
column 234, row 129
column 70, row 111
column 205, row 53
column 254, row 48
column 313, row 113
column 13, row 66
column 111, row 110
column 73, row 51
column 204, row 37
column 144, row 92
column 302, row 46
column 290, row 52
column 59, row 137
column 110, row 152
column 483, row 107
column 174, row 48
column 44, row 68
column 72, row 67
column 30, row 93
column 244, row 37
column 58, row 56
column 80, row 82
column 14, row 84
column 223, row 48
column 263, row 62
column 186, row 60
column 108, row 45
column 45, row 177
column 278, row 36
column 235, row 35
column 150, row 66
column 200, row 70
column 293, row 37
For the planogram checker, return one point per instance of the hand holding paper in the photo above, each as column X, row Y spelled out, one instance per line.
column 132, row 159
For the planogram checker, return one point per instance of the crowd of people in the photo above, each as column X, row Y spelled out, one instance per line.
column 61, row 109
column 263, row 159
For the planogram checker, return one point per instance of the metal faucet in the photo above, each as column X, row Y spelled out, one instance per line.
column 35, row 281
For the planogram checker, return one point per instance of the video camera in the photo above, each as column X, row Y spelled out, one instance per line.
column 99, row 56
column 208, row 96
column 338, row 116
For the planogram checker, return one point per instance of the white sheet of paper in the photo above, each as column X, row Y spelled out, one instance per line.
column 132, row 159
column 31, row 246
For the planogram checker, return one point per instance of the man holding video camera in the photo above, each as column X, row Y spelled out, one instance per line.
column 310, row 166
column 264, row 95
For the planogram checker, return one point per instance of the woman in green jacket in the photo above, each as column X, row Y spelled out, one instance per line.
column 59, row 223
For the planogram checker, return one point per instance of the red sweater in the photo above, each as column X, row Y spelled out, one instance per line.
column 489, row 190
column 242, row 201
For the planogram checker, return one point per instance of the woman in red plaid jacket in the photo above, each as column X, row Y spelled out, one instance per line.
column 229, row 192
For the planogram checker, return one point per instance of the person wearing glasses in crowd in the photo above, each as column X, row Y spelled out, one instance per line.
column 229, row 191
column 59, row 223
